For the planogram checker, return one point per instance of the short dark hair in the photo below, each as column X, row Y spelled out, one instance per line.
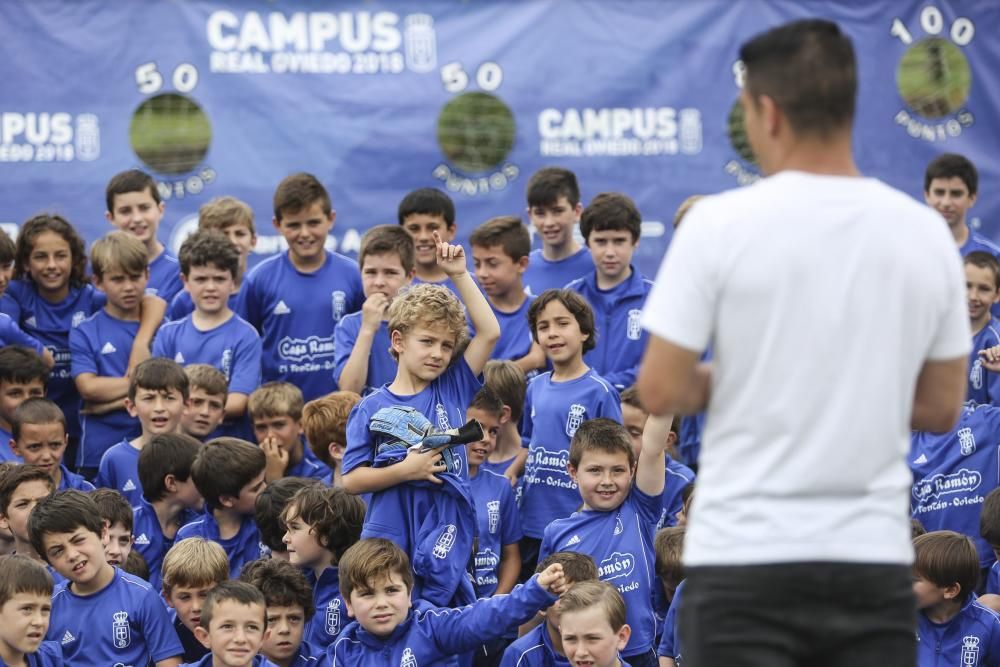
column 369, row 560
column 601, row 435
column 36, row 411
column 611, row 211
column 809, row 69
column 136, row 565
column 576, row 566
column 207, row 378
column 281, row 583
column 487, row 400
column 132, row 180
column 989, row 518
column 239, row 592
column 946, row 558
column 224, row 466
column 577, row 307
column 113, row 507
column 63, row 512
column 165, row 454
column 7, row 249
column 300, row 191
column 427, row 201
column 20, row 574
column 388, row 240
column 209, row 247
column 952, row 165
column 335, row 516
column 549, row 183
column 38, row 225
column 19, row 475
column 506, row 231
column 158, row 374
column 984, row 260
column 270, row 505
column 21, row 365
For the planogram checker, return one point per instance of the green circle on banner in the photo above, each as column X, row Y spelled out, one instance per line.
column 737, row 130
column 934, row 77
column 170, row 133
column 476, row 131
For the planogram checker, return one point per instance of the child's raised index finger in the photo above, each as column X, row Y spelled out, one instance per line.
column 437, row 237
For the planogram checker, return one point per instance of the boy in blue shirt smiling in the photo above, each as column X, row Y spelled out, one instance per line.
column 982, row 285
column 554, row 208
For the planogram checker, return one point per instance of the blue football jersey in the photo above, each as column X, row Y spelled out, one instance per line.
column 499, row 525
column 182, row 305
column 971, row 638
column 242, row 548
column 515, row 332
column 119, row 470
column 984, row 385
column 11, row 334
column 977, row 241
column 381, row 366
column 543, row 274
column 331, row 612
column 165, row 277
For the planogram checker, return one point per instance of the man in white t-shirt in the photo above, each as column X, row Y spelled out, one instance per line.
column 831, row 340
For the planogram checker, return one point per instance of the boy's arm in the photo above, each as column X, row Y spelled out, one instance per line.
column 97, row 390
column 510, row 568
column 533, row 360
column 416, row 466
column 245, row 371
column 451, row 259
column 236, row 405
column 516, row 467
column 649, row 474
column 103, row 408
column 150, row 316
column 354, row 374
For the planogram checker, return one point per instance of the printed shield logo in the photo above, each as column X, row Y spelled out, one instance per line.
column 121, row 632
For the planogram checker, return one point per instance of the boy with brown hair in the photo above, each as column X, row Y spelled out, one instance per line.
column 39, row 438
column 269, row 507
column 982, row 287
column 276, row 414
column 233, row 627
column 205, row 407
column 424, row 213
column 21, row 489
column 23, row 375
column 500, row 249
column 117, row 514
column 361, row 340
column 25, row 605
column 324, row 421
column 554, row 208
column 507, row 381
column 592, row 625
column 668, row 545
column 191, row 569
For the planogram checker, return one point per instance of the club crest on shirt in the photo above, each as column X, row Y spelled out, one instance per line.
column 442, row 417
column 408, row 660
column 333, row 617
column 227, row 362
column 493, row 515
column 338, row 301
column 445, row 541
column 976, row 374
column 633, row 331
column 619, row 527
column 970, row 651
column 574, row 418
column 966, row 441
column 120, row 630
column 78, row 316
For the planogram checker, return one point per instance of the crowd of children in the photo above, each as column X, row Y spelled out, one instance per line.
column 257, row 439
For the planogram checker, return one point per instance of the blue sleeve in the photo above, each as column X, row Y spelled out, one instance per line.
column 103, row 479
column 157, row 630
column 343, row 343
column 9, row 305
column 245, row 367
column 177, row 308
column 247, row 303
column 623, row 378
column 461, row 630
column 649, row 508
column 510, row 519
column 82, row 357
column 527, row 425
column 545, row 548
column 611, row 407
column 359, row 442
column 12, row 334
column 163, row 343
column 993, row 580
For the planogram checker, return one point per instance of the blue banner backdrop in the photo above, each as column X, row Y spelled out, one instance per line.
column 378, row 98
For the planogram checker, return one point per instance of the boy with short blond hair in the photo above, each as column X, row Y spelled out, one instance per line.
column 293, row 298
column 25, row 603
column 67, row 530
column 288, row 598
column 324, row 421
column 234, row 219
column 205, row 408
column 276, row 414
column 229, row 475
column 321, row 524
column 39, row 438
column 592, row 625
column 554, row 208
column 117, row 514
column 157, row 391
column 191, row 569
column 23, row 375
column 101, row 344
column 233, row 627
column 361, row 339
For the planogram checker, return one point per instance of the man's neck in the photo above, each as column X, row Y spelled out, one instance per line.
column 605, row 283
column 229, row 522
column 431, row 274
column 555, row 253
column 207, row 321
column 831, row 157
column 511, row 301
column 570, row 370
column 943, row 612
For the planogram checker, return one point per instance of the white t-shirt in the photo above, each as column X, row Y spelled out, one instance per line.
column 821, row 297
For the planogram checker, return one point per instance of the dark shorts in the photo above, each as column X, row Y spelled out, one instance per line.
column 798, row 614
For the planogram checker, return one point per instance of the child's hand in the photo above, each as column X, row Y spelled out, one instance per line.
column 372, row 312
column 990, row 358
column 656, row 433
column 511, row 477
column 277, row 459
column 451, row 258
column 424, row 466
column 552, row 579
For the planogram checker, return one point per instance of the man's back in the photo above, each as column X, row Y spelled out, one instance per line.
column 816, row 359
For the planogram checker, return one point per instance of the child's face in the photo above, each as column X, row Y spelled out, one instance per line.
column 634, row 421
column 285, row 628
column 158, row 410
column 421, row 228
column 12, row 394
column 287, row 432
column 138, row 214
column 612, row 251
column 305, row 231
column 929, row 594
column 235, row 634
column 559, row 333
column 244, row 240
column 950, row 197
column 478, row 452
column 382, row 606
column 554, row 223
column 244, row 503
column 981, row 292
column 588, row 638
column 188, row 601
column 24, row 620
column 6, row 273
column 77, row 555
column 50, row 264
column 22, row 501
column 383, row 274
column 424, row 351
column 42, row 445
column 209, row 287
column 124, row 290
column 119, row 544
column 604, row 479
column 304, row 548
column 496, row 272
column 202, row 413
